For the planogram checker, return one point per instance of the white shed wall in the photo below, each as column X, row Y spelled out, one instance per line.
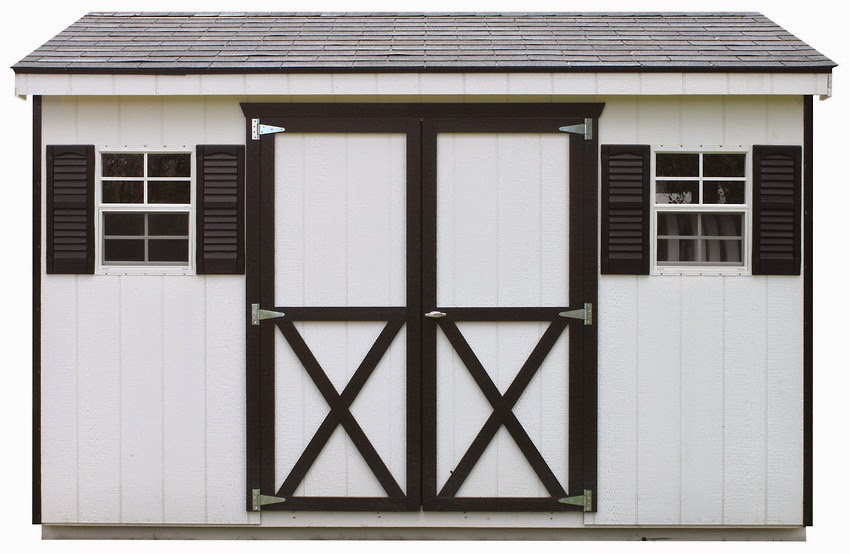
column 143, row 400
column 700, row 377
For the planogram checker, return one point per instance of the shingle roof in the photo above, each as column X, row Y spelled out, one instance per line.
column 333, row 42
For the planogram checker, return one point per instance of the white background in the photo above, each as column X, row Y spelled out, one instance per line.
column 28, row 24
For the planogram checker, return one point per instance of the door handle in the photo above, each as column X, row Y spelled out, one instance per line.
column 435, row 314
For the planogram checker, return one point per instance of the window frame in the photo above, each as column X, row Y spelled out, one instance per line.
column 144, row 268
column 660, row 268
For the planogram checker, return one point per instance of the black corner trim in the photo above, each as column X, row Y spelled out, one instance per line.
column 808, row 313
column 777, row 198
column 625, row 209
column 220, row 214
column 70, row 209
column 36, row 310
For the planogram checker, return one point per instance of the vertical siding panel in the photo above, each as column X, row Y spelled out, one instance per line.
column 745, row 120
column 185, row 399
column 375, row 217
column 325, row 204
column 702, row 400
column 519, row 283
column 99, row 399
column 224, row 121
column 182, row 121
column 326, row 282
column 97, row 120
column 784, row 401
column 785, row 120
column 554, row 227
column 225, row 429
column 660, row 308
column 659, row 120
column 140, row 121
column 141, row 399
column 59, row 120
column 619, row 122
column 618, row 402
column 520, row 234
column 702, row 121
column 474, row 221
column 59, row 438
column 290, row 219
column 745, row 390
column 446, row 221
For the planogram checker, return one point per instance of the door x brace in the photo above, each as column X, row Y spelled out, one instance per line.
column 502, row 408
column 340, row 405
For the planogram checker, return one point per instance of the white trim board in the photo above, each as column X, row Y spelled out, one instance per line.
column 427, row 84
column 424, row 533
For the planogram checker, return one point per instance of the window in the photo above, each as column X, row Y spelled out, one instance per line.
column 701, row 211
column 145, row 210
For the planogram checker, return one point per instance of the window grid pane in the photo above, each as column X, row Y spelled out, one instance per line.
column 136, row 179
column 718, row 239
column 706, row 187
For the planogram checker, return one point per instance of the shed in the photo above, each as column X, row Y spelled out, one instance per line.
column 423, row 275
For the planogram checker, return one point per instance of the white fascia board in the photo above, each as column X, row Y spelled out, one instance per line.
column 428, row 84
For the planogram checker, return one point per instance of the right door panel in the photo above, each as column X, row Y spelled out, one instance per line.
column 498, row 264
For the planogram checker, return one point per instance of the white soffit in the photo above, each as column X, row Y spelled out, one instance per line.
column 426, row 84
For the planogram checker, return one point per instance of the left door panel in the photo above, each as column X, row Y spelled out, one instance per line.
column 339, row 371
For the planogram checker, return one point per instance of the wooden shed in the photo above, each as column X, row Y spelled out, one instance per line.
column 423, row 275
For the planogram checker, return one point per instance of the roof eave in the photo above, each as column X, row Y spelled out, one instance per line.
column 171, row 70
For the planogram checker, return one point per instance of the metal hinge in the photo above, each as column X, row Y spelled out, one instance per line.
column 585, row 500
column 585, row 314
column 259, row 500
column 435, row 314
column 258, row 129
column 585, row 129
column 257, row 315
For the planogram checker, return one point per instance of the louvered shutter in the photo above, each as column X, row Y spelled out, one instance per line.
column 70, row 209
column 220, row 211
column 777, row 197
column 625, row 209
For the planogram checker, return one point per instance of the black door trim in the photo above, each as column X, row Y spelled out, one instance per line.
column 420, row 122
column 583, row 339
column 260, row 258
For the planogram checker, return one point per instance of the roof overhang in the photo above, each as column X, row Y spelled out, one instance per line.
column 426, row 84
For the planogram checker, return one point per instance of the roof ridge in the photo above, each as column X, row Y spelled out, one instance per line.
column 423, row 14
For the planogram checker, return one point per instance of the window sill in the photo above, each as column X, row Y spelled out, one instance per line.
column 704, row 271
column 152, row 271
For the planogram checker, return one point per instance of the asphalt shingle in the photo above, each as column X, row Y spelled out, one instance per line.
column 280, row 42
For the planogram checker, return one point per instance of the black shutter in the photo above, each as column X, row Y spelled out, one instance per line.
column 625, row 209
column 70, row 209
column 220, row 212
column 777, row 197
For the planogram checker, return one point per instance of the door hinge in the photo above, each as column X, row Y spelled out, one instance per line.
column 258, row 129
column 585, row 500
column 259, row 500
column 585, row 129
column 257, row 315
column 585, row 314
